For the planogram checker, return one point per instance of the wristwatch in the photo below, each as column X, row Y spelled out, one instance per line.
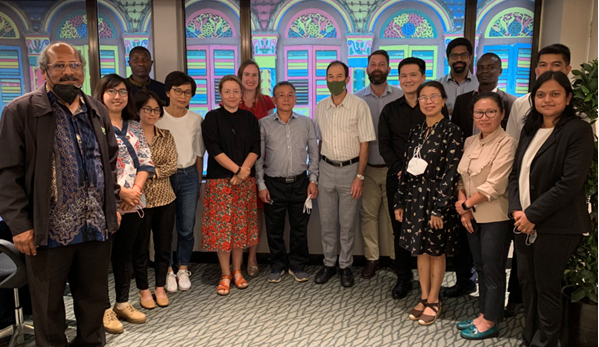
column 466, row 208
column 361, row 177
column 315, row 182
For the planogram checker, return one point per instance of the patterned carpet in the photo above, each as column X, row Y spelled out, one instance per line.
column 293, row 314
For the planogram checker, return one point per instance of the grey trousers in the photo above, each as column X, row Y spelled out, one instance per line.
column 338, row 212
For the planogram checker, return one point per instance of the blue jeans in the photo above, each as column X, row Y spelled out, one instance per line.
column 186, row 184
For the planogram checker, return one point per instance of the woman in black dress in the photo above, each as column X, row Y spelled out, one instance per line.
column 426, row 197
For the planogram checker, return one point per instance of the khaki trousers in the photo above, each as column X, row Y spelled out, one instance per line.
column 374, row 196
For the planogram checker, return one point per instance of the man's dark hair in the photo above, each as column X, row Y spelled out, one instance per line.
column 339, row 62
column 460, row 41
column 412, row 61
column 280, row 84
column 380, row 52
column 178, row 78
column 491, row 55
column 140, row 49
column 557, row 48
column 143, row 96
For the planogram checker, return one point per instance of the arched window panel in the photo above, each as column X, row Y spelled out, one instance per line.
column 130, row 23
column 506, row 28
column 213, row 46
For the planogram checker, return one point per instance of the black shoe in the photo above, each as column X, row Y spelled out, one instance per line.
column 369, row 271
column 325, row 274
column 347, row 277
column 402, row 289
column 512, row 309
column 456, row 291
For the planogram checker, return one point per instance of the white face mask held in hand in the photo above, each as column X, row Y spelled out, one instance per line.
column 417, row 165
column 308, row 204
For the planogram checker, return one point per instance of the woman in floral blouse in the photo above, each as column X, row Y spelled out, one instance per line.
column 134, row 167
column 159, row 216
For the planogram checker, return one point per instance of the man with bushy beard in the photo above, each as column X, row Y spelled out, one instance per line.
column 378, row 94
column 459, row 80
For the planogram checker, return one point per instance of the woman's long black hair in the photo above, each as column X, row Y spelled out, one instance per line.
column 534, row 119
column 111, row 81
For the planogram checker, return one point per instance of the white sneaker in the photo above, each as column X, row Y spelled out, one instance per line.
column 171, row 283
column 183, row 279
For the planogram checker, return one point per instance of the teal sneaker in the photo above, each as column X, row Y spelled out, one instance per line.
column 464, row 324
column 472, row 333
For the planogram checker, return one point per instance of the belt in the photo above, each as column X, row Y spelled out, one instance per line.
column 340, row 163
column 378, row 166
column 288, row 179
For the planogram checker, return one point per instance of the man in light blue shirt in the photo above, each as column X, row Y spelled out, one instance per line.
column 459, row 80
column 377, row 94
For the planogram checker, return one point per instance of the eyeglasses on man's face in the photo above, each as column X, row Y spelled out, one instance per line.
column 149, row 110
column 489, row 113
column 463, row 56
column 60, row 66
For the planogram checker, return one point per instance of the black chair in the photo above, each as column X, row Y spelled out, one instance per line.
column 13, row 275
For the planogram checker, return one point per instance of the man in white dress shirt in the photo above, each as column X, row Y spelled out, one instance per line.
column 344, row 128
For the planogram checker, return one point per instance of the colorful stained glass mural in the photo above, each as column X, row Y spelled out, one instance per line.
column 75, row 27
column 409, row 25
column 312, row 26
column 208, row 25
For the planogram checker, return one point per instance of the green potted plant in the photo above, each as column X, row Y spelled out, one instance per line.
column 580, row 276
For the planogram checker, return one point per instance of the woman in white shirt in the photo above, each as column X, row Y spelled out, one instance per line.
column 547, row 202
column 482, row 204
column 186, row 128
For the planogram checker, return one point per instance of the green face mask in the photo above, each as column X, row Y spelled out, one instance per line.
column 336, row 87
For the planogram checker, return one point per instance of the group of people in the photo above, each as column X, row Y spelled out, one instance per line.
column 87, row 179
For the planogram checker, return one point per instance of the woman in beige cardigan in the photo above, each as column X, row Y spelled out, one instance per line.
column 482, row 204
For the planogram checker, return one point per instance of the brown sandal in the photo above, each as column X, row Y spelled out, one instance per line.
column 415, row 314
column 428, row 320
column 241, row 281
column 223, row 286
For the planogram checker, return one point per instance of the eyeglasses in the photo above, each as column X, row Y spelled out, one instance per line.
column 74, row 66
column 433, row 98
column 180, row 92
column 455, row 56
column 149, row 110
column 490, row 114
column 121, row 92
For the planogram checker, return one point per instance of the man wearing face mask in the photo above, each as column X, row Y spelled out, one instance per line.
column 140, row 62
column 459, row 80
column 378, row 94
column 344, row 128
column 58, row 195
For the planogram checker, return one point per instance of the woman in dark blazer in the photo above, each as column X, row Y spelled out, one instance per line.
column 547, row 202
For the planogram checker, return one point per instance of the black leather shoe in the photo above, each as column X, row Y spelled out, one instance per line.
column 512, row 309
column 325, row 274
column 402, row 289
column 347, row 278
column 456, row 291
column 369, row 271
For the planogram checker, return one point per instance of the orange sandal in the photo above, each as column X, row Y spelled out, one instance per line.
column 223, row 286
column 241, row 281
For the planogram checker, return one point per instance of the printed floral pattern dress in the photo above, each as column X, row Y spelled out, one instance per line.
column 433, row 193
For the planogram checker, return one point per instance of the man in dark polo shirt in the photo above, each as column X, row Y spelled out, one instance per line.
column 140, row 61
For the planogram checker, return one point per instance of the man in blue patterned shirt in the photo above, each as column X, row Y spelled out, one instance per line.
column 58, row 195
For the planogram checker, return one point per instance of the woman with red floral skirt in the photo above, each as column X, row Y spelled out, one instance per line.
column 232, row 139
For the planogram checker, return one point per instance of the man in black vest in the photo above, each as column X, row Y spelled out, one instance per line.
column 140, row 62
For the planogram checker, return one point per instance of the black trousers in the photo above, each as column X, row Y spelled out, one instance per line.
column 123, row 243
column 541, row 269
column 513, row 286
column 403, row 257
column 85, row 267
column 490, row 248
column 463, row 262
column 287, row 198
column 159, row 221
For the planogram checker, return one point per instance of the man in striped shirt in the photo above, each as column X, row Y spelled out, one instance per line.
column 344, row 127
